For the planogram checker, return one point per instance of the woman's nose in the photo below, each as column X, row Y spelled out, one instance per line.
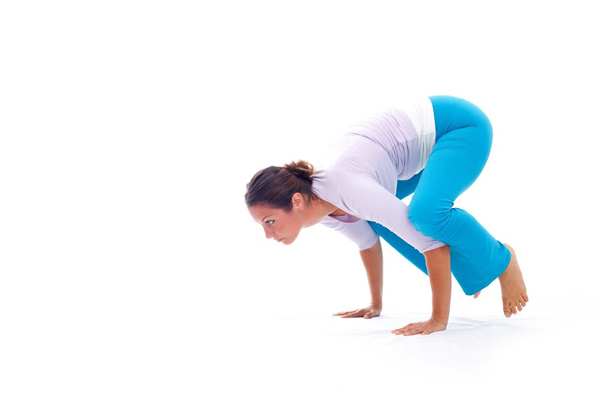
column 269, row 234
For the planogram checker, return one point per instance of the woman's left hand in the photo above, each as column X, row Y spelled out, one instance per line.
column 424, row 328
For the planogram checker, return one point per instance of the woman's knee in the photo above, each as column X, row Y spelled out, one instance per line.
column 426, row 218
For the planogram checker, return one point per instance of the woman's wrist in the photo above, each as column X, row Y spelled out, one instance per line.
column 376, row 304
column 443, row 322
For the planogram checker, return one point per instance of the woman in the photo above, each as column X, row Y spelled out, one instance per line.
column 435, row 148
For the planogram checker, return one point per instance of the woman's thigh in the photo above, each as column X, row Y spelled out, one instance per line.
column 460, row 153
column 463, row 144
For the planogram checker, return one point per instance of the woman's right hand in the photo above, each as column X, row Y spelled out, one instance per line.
column 367, row 312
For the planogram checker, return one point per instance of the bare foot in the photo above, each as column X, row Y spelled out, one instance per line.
column 514, row 293
column 476, row 295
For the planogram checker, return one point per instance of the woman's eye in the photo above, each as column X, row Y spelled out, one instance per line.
column 270, row 222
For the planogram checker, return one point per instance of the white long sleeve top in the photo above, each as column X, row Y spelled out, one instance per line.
column 394, row 145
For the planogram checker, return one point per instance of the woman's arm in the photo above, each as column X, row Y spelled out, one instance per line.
column 372, row 259
column 438, row 268
column 440, row 276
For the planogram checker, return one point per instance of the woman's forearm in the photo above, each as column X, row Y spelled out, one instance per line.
column 372, row 259
column 440, row 276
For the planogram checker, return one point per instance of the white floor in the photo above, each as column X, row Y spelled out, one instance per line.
column 316, row 355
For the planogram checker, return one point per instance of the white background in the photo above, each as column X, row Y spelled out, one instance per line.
column 130, row 267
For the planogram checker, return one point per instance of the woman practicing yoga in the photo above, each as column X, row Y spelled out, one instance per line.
column 435, row 148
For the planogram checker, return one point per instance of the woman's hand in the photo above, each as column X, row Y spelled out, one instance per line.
column 368, row 312
column 424, row 328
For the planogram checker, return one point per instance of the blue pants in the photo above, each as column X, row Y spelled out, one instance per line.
column 463, row 144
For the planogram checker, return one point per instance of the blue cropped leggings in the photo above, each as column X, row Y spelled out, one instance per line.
column 463, row 144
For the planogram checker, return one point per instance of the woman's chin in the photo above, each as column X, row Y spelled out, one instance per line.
column 287, row 241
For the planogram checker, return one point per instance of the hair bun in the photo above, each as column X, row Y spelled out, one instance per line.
column 301, row 169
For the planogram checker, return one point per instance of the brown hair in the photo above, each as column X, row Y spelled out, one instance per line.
column 275, row 186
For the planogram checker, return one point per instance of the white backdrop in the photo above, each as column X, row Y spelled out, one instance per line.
column 130, row 267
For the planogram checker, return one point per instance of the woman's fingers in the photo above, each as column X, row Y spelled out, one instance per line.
column 404, row 330
column 351, row 314
column 344, row 312
column 357, row 313
column 424, row 328
column 368, row 313
column 413, row 331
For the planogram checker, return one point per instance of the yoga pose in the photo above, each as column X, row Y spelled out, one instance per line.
column 434, row 147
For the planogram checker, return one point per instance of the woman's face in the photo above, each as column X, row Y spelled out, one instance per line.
column 278, row 224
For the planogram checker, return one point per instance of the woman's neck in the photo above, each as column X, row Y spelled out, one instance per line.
column 338, row 212
column 330, row 209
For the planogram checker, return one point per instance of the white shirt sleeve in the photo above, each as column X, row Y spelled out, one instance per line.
column 360, row 232
column 367, row 198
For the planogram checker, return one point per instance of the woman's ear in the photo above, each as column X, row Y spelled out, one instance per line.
column 298, row 201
